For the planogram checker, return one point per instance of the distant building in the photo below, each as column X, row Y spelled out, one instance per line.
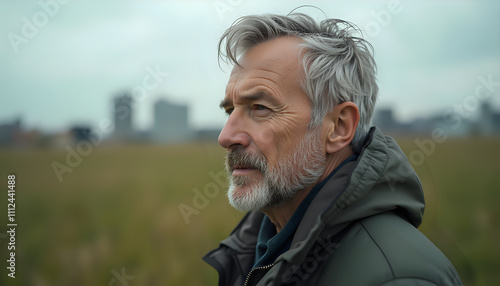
column 171, row 122
column 80, row 133
column 384, row 119
column 13, row 135
column 123, row 117
column 486, row 120
column 208, row 134
column 9, row 132
column 496, row 122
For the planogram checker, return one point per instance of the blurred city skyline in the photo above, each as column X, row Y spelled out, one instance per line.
column 64, row 62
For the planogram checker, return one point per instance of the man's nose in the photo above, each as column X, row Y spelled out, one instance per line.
column 233, row 134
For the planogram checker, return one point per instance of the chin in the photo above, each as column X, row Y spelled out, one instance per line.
column 248, row 198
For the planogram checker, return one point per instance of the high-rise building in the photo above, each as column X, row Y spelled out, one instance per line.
column 486, row 120
column 384, row 119
column 171, row 122
column 123, row 116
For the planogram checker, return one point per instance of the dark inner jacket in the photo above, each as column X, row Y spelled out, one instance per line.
column 360, row 229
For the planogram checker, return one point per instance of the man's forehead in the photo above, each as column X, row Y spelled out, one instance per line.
column 246, row 80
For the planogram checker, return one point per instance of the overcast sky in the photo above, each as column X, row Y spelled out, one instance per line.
column 62, row 64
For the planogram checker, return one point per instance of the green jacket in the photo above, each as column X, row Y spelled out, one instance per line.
column 360, row 229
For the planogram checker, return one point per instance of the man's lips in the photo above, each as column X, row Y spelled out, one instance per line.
column 239, row 170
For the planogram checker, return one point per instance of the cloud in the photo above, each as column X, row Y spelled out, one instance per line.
column 91, row 50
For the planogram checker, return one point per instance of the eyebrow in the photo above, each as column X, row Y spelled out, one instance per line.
column 261, row 94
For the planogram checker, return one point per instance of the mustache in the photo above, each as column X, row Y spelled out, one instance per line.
column 239, row 157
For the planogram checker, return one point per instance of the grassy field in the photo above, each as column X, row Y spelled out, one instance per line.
column 115, row 218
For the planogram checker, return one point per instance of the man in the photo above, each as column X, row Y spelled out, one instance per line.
column 330, row 201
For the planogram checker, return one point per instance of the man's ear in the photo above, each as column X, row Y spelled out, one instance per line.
column 341, row 126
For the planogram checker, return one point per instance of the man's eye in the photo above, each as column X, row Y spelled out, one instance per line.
column 260, row 107
column 260, row 110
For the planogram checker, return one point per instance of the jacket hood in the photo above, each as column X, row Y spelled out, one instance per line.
column 380, row 180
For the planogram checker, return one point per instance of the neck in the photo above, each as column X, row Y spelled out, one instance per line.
column 281, row 214
column 334, row 160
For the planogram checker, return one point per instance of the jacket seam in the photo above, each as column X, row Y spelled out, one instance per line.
column 341, row 202
column 215, row 264
column 347, row 198
column 380, row 249
column 242, row 221
column 386, row 155
column 371, row 160
column 409, row 277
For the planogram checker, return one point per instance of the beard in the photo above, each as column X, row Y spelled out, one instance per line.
column 278, row 184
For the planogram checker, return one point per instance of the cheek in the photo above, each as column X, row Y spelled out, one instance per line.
column 275, row 141
column 265, row 139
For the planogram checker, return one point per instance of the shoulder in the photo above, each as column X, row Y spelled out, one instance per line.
column 386, row 250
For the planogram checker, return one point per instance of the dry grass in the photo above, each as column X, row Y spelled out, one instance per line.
column 119, row 209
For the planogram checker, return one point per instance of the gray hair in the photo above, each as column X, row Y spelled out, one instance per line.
column 339, row 67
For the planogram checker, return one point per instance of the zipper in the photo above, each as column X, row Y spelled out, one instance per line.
column 266, row 267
